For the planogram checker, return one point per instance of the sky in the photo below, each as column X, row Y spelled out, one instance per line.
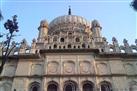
column 116, row 17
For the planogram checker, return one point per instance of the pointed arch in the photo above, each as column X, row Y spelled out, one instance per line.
column 87, row 86
column 53, row 86
column 70, row 86
column 105, row 86
column 34, row 86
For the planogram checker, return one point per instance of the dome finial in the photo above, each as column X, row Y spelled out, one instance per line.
column 69, row 12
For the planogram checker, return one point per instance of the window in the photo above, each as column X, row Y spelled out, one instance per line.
column 55, row 46
column 111, row 49
column 49, row 47
column 27, row 51
column 83, row 46
column 88, row 46
column 69, row 46
column 102, row 50
column 69, row 33
column 78, row 46
column 77, row 40
column 36, row 51
column 16, row 53
column 61, row 39
column 134, row 51
column 59, row 47
column 122, row 51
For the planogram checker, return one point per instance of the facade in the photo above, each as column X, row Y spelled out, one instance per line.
column 70, row 54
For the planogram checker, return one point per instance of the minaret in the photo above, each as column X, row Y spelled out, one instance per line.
column 43, row 31
column 96, row 30
column 69, row 11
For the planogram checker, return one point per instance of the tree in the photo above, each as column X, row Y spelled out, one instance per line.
column 1, row 17
column 134, row 5
column 8, row 45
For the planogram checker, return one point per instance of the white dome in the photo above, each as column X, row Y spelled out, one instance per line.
column 44, row 23
column 67, row 21
column 95, row 23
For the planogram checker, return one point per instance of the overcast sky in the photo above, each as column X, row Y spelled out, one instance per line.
column 116, row 17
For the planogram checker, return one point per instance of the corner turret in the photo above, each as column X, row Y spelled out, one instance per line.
column 96, row 29
column 43, row 31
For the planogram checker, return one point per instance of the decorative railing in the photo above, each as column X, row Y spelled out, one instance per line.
column 116, row 48
column 24, row 48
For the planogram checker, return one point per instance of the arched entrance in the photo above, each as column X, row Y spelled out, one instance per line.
column 105, row 86
column 35, row 86
column 88, row 86
column 52, row 87
column 70, row 86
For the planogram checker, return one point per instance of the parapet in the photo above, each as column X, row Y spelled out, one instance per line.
column 116, row 48
column 113, row 48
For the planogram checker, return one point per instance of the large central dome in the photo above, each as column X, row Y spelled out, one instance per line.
column 68, row 23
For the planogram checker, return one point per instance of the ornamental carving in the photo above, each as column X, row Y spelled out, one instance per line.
column 102, row 68
column 85, row 67
column 69, row 67
column 53, row 67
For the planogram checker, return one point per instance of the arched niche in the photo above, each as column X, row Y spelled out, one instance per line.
column 70, row 86
column 62, row 39
column 55, row 46
column 77, row 39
